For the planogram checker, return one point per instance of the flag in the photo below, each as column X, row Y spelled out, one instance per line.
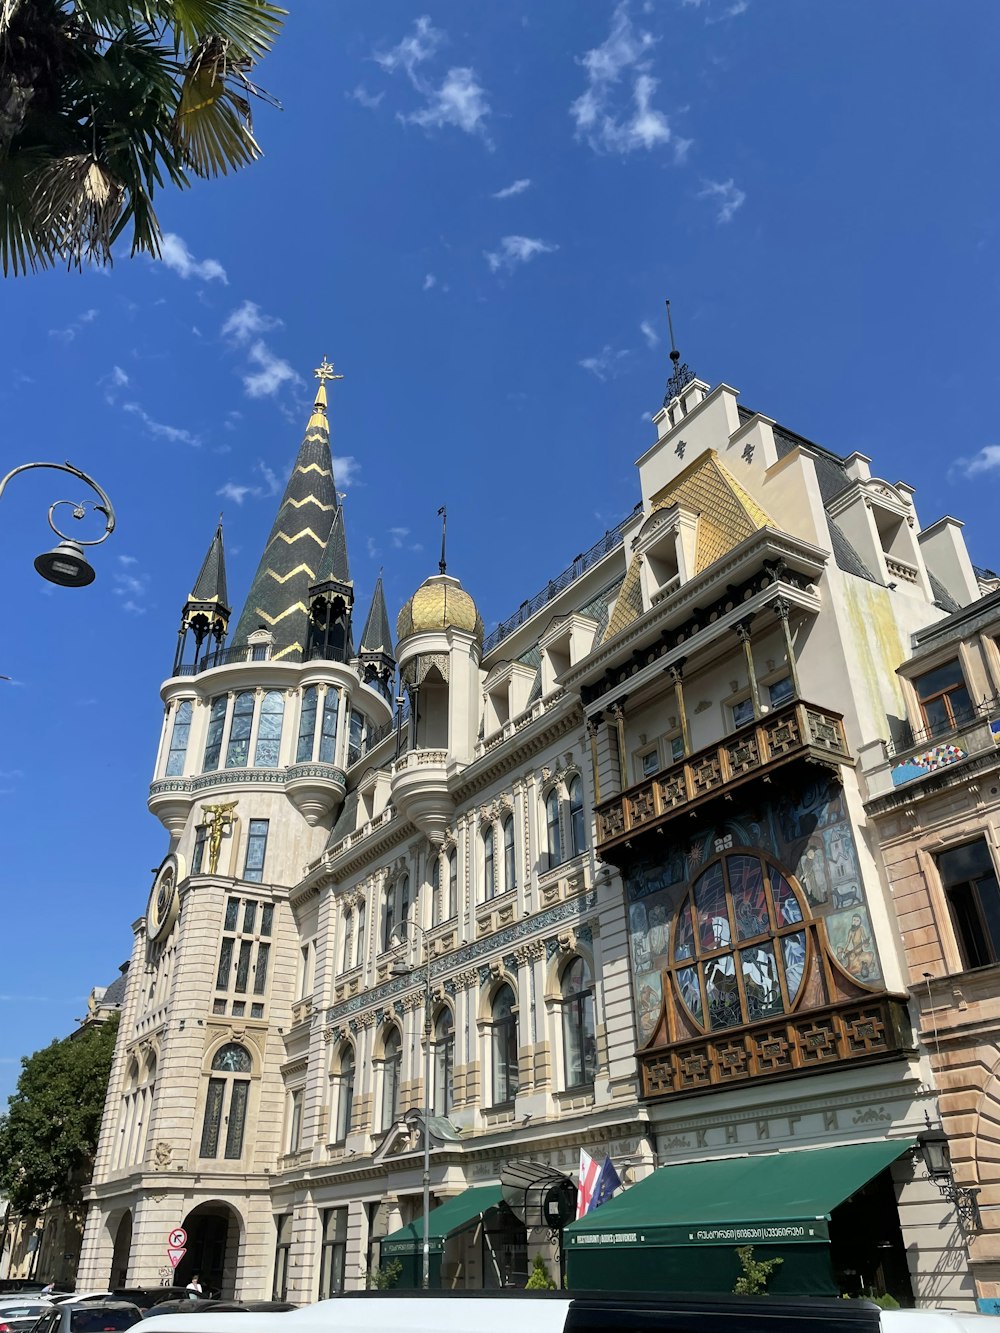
column 608, row 1181
column 588, row 1179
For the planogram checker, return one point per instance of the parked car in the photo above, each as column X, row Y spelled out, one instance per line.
column 17, row 1316
column 184, row 1305
column 147, row 1297
column 88, row 1316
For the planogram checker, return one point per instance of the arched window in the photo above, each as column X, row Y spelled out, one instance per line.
column 360, row 955
column 328, row 734
column 238, row 749
column 509, row 863
column 179, row 739
column 579, row 1032
column 347, row 956
column 392, row 1062
column 403, row 906
column 489, row 865
column 272, row 712
column 740, row 943
column 552, row 830
column 451, row 904
column 505, row 1077
column 307, row 725
column 389, row 917
column 444, row 1063
column 436, row 904
column 345, row 1095
column 213, row 741
column 577, row 832
column 226, row 1102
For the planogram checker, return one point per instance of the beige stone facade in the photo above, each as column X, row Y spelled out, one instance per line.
column 622, row 839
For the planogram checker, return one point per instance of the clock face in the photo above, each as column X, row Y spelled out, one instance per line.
column 163, row 902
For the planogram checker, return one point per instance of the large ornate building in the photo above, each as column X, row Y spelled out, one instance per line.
column 607, row 875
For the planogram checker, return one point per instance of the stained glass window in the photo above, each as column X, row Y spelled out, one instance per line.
column 198, row 855
column 237, row 1118
column 249, row 917
column 307, row 726
column 232, row 913
column 213, row 1118
column 179, row 739
column 213, row 741
column 266, row 919
column 238, row 749
column 328, row 735
column 253, row 869
column 260, row 971
column 232, row 1059
column 225, row 964
column 243, row 965
column 272, row 712
column 738, row 957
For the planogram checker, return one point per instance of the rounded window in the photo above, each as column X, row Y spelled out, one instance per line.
column 232, row 1059
column 740, row 941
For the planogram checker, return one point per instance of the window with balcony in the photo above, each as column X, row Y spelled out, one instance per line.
column 944, row 698
column 969, row 879
column 780, row 691
column 742, row 712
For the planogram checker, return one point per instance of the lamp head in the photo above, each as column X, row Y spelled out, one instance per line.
column 401, row 969
column 66, row 565
column 934, row 1149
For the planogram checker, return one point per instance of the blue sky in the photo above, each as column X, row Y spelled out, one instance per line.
column 476, row 211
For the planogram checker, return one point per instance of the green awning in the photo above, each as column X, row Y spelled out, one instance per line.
column 453, row 1215
column 764, row 1199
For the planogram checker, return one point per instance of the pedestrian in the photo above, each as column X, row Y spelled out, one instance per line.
column 195, row 1285
column 49, row 1287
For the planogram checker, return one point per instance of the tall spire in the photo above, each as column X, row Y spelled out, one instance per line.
column 210, row 585
column 206, row 611
column 279, row 595
column 681, row 374
column 378, row 662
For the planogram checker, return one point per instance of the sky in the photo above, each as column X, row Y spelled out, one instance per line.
column 476, row 211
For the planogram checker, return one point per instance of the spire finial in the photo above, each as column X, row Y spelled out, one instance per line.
column 443, row 516
column 680, row 375
column 323, row 372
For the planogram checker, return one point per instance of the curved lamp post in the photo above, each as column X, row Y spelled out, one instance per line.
column 400, row 968
column 66, row 563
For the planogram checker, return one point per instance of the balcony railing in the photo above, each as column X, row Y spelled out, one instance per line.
column 961, row 719
column 796, row 731
column 869, row 1029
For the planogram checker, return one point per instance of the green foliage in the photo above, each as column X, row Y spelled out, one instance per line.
column 381, row 1279
column 756, row 1272
column 886, row 1302
column 101, row 100
column 49, row 1135
column 539, row 1279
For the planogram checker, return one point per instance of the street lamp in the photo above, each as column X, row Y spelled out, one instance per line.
column 66, row 564
column 935, row 1150
column 400, row 968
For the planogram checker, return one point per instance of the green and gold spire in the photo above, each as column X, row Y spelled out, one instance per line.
column 279, row 595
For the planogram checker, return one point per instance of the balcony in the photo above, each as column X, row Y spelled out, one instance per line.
column 420, row 792
column 974, row 735
column 796, row 731
column 870, row 1029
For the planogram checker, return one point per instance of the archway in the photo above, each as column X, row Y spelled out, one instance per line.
column 122, row 1252
column 213, row 1249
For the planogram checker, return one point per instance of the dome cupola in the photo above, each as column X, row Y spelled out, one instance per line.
column 440, row 603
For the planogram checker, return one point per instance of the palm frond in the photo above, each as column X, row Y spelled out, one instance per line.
column 79, row 203
column 25, row 244
column 212, row 126
column 248, row 27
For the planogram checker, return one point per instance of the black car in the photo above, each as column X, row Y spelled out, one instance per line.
column 88, row 1317
column 147, row 1297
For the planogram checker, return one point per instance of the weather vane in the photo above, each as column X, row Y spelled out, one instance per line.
column 324, row 372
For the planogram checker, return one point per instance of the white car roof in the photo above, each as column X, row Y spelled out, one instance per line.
column 939, row 1321
column 389, row 1315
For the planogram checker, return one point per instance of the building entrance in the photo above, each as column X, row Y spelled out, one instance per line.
column 213, row 1250
column 866, row 1243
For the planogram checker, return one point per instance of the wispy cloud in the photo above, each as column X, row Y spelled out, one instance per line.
column 131, row 585
column 731, row 11
column 509, row 191
column 246, row 321
column 607, row 118
column 159, row 429
column 606, row 364
column 429, row 281
column 364, row 98
column 459, row 100
column 727, row 195
column 515, row 250
column 268, row 486
column 269, row 372
column 649, row 333
column 114, row 380
column 347, row 470
column 986, row 461
column 71, row 331
column 175, row 255
column 236, row 493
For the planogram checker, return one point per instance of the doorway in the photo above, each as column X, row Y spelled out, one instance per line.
column 866, row 1243
column 122, row 1253
column 213, row 1250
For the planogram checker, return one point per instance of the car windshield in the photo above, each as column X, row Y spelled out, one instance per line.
column 83, row 1320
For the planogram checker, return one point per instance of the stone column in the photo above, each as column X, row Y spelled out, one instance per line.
column 743, row 634
column 676, row 673
column 617, row 711
column 593, row 728
column 782, row 608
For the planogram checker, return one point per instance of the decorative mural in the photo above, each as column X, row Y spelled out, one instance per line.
column 724, row 925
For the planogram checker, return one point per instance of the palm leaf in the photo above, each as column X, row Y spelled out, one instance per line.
column 212, row 125
column 79, row 203
column 25, row 244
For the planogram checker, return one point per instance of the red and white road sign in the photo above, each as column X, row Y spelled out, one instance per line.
column 177, row 1239
column 175, row 1253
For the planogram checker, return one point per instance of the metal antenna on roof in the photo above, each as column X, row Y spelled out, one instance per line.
column 680, row 375
column 443, row 516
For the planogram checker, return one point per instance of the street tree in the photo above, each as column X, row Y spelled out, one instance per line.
column 48, row 1137
column 101, row 101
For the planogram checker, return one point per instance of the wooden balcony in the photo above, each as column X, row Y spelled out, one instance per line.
column 871, row 1029
column 796, row 731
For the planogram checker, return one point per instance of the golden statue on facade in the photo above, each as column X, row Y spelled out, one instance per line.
column 219, row 823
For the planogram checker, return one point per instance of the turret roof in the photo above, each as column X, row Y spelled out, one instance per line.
column 377, row 636
column 334, row 565
column 210, row 585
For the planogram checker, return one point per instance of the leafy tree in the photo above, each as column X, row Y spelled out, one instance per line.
column 539, row 1278
column 49, row 1135
column 100, row 100
column 756, row 1272
column 386, row 1277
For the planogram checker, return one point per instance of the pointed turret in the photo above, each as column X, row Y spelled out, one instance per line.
column 378, row 663
column 206, row 611
column 331, row 599
column 279, row 595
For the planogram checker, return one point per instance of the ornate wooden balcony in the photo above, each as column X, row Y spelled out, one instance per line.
column 796, row 731
column 875, row 1028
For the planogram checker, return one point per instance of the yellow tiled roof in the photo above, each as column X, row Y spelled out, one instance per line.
column 727, row 515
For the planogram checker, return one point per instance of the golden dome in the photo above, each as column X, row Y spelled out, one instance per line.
column 439, row 603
